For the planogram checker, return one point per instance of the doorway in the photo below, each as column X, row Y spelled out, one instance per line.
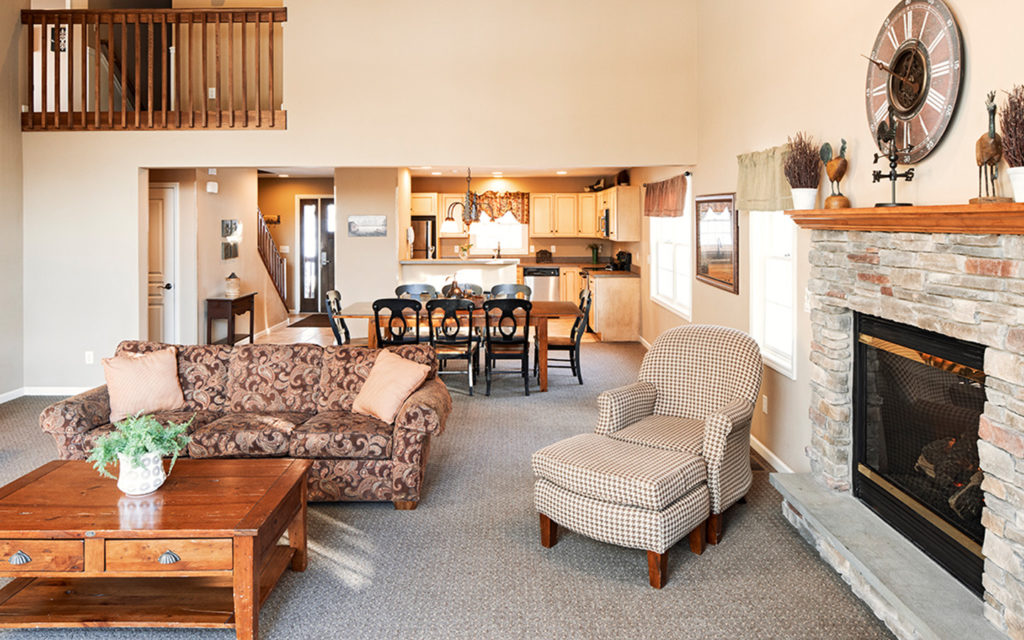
column 316, row 248
column 162, row 293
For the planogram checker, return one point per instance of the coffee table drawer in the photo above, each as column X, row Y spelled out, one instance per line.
column 169, row 555
column 41, row 555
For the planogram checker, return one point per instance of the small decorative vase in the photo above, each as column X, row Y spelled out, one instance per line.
column 804, row 198
column 232, row 286
column 1017, row 182
column 142, row 479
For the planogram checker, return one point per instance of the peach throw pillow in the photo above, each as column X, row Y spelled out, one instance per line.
column 391, row 381
column 143, row 383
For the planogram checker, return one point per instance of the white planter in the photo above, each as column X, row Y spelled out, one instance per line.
column 1017, row 182
column 140, row 480
column 805, row 198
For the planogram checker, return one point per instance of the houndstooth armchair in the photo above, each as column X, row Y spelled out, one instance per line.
column 696, row 393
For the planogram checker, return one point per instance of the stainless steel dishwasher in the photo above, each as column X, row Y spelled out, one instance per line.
column 543, row 281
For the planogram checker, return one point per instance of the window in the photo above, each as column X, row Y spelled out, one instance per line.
column 486, row 237
column 672, row 260
column 773, row 288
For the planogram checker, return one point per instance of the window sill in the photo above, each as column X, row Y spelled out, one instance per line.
column 674, row 307
column 787, row 369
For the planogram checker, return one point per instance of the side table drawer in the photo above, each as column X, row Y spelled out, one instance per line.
column 169, row 555
column 41, row 555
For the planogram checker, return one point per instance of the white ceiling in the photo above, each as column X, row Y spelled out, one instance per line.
column 455, row 172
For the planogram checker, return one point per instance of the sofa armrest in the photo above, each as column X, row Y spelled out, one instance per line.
column 426, row 409
column 621, row 407
column 70, row 419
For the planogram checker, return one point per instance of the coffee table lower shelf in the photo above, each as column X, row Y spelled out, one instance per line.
column 158, row 601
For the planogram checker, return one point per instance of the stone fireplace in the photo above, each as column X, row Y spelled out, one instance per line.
column 955, row 271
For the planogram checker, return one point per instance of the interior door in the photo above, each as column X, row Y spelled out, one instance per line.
column 162, row 295
column 326, row 249
column 316, row 270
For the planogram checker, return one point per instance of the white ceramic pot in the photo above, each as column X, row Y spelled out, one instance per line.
column 1017, row 182
column 805, row 198
column 142, row 479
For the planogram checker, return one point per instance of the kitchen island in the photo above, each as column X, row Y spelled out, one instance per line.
column 485, row 272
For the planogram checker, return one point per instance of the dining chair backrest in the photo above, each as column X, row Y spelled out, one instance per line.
column 401, row 322
column 416, row 291
column 500, row 291
column 579, row 327
column 502, row 325
column 333, row 299
column 470, row 289
column 450, row 321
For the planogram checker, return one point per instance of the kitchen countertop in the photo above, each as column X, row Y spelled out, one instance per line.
column 457, row 261
column 601, row 273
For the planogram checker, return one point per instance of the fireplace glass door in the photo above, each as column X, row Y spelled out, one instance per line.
column 918, row 398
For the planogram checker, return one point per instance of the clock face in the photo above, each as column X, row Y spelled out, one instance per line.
column 915, row 71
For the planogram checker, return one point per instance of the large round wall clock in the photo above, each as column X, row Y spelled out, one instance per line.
column 915, row 72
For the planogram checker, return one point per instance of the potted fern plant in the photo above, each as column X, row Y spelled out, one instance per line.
column 138, row 445
column 1012, row 122
column 802, row 167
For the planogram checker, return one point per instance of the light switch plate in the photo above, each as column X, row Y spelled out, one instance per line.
column 212, row 187
column 284, row 249
column 211, row 93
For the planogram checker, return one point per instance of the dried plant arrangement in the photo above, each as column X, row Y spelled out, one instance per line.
column 803, row 164
column 1012, row 121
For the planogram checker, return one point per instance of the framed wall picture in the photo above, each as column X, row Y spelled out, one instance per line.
column 718, row 240
column 368, row 226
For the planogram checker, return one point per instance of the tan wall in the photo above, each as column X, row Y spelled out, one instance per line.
column 277, row 197
column 11, row 312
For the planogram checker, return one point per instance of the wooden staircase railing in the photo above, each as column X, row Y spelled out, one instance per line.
column 190, row 69
column 272, row 259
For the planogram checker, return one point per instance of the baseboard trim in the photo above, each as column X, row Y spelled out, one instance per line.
column 279, row 325
column 769, row 456
column 55, row 391
column 11, row 395
column 647, row 345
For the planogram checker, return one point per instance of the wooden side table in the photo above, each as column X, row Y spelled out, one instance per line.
column 227, row 309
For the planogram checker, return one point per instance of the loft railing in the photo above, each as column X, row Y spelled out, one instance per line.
column 153, row 69
column 272, row 258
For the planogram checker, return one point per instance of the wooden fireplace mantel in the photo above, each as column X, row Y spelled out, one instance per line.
column 1002, row 217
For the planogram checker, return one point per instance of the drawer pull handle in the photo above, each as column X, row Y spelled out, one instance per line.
column 20, row 558
column 168, row 557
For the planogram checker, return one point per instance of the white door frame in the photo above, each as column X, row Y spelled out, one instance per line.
column 175, row 255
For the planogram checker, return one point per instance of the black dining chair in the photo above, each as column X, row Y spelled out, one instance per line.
column 451, row 321
column 570, row 344
column 401, row 322
column 338, row 325
column 507, row 337
column 470, row 289
column 416, row 291
column 504, row 291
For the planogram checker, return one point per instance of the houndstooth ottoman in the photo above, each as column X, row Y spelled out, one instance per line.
column 622, row 493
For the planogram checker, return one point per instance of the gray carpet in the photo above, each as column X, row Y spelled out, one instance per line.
column 468, row 563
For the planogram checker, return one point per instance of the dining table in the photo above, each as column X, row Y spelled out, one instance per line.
column 540, row 313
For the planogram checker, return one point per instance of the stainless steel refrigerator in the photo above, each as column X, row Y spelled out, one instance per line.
column 424, row 244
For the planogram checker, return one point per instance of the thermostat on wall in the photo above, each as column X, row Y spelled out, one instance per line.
column 211, row 187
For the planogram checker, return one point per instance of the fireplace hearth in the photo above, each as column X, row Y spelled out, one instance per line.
column 918, row 397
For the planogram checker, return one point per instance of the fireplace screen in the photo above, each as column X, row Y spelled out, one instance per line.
column 918, row 399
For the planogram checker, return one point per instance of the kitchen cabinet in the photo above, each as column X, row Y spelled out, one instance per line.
column 423, row 204
column 587, row 225
column 444, row 200
column 622, row 205
column 542, row 214
column 565, row 215
column 615, row 307
column 571, row 282
column 554, row 215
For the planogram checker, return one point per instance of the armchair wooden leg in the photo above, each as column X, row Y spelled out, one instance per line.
column 405, row 505
column 715, row 528
column 697, row 538
column 548, row 532
column 657, row 568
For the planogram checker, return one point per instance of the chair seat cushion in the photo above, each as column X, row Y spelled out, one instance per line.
column 665, row 432
column 514, row 347
column 245, row 435
column 619, row 472
column 341, row 434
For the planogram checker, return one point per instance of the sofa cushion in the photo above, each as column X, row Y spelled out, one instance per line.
column 341, row 434
column 392, row 380
column 245, row 435
column 619, row 472
column 202, row 372
column 345, row 369
column 143, row 383
column 665, row 432
column 268, row 378
column 201, row 417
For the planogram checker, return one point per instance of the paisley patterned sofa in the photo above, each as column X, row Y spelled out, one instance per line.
column 285, row 401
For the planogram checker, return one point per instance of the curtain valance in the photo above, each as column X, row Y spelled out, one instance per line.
column 761, row 183
column 496, row 203
column 665, row 199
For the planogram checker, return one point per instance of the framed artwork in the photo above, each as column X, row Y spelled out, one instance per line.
column 718, row 240
column 368, row 226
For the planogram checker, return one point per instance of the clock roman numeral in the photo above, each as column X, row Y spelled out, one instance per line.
column 906, row 134
column 920, row 120
column 936, row 100
column 940, row 68
column 908, row 25
column 881, row 111
column 936, row 41
column 892, row 38
column 879, row 90
column 923, row 22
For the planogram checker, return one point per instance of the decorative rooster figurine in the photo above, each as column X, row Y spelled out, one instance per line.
column 989, row 151
column 835, row 168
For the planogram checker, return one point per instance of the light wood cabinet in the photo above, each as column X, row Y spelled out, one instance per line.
column 423, row 204
column 622, row 205
column 542, row 214
column 445, row 200
column 570, row 284
column 615, row 308
column 565, row 215
column 587, row 225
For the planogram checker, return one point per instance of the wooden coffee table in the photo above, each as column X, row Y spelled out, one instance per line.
column 201, row 551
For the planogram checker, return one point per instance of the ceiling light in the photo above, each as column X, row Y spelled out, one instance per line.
column 424, row 168
column 561, row 173
column 282, row 175
column 496, row 174
column 435, row 173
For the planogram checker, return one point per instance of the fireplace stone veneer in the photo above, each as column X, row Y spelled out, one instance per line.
column 969, row 287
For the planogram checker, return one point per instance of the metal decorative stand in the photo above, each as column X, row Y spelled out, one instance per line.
column 887, row 138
